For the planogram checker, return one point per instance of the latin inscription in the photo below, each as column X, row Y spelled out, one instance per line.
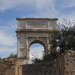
column 30, row 24
column 35, row 22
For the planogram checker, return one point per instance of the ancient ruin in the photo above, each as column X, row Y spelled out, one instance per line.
column 37, row 30
column 34, row 30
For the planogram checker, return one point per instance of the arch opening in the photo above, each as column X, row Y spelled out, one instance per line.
column 36, row 50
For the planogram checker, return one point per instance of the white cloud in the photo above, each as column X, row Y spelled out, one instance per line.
column 68, row 3
column 45, row 8
column 39, row 4
column 6, row 39
column 36, row 52
column 6, row 51
column 8, row 4
column 44, row 4
column 42, row 7
column 69, row 16
column 8, row 43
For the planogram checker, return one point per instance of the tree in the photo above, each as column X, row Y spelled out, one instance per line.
column 52, row 56
column 67, row 36
column 12, row 56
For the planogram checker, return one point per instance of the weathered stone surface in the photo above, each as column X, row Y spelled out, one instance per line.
column 66, row 63
column 34, row 30
column 7, row 68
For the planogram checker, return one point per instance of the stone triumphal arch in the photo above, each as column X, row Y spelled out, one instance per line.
column 34, row 30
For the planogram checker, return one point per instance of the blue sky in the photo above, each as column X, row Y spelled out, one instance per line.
column 11, row 9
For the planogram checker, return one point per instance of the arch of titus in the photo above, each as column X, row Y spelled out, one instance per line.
column 34, row 30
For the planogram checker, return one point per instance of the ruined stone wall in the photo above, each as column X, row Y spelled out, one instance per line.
column 28, row 69
column 69, row 65
column 39, row 69
column 7, row 69
column 66, row 63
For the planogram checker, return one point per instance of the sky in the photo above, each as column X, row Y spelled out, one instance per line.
column 36, row 51
column 12, row 9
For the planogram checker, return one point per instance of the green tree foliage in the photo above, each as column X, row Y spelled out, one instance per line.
column 46, row 58
column 12, row 56
column 68, row 39
column 67, row 35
